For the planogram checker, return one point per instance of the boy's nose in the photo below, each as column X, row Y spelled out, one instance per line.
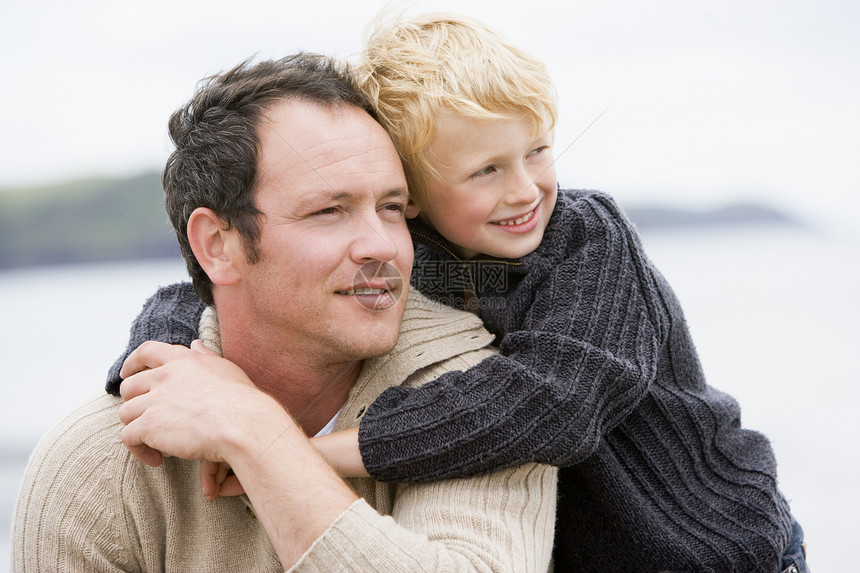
column 523, row 192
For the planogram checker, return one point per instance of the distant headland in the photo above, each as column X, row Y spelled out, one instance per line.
column 112, row 219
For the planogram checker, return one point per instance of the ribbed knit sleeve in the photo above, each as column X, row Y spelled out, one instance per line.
column 497, row 522
column 170, row 315
column 580, row 338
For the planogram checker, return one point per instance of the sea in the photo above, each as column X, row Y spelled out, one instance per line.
column 773, row 309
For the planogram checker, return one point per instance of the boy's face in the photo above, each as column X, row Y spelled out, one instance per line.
column 497, row 186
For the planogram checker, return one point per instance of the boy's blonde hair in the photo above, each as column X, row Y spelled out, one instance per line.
column 414, row 68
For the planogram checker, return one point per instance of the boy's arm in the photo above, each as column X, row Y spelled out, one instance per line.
column 583, row 357
column 340, row 450
column 171, row 315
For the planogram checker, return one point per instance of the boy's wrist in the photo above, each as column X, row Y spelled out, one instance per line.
column 340, row 450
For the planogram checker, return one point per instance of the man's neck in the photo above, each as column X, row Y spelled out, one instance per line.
column 312, row 391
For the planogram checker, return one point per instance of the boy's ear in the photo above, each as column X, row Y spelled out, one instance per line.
column 217, row 250
column 412, row 209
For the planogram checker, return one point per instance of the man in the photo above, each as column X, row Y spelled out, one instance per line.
column 287, row 198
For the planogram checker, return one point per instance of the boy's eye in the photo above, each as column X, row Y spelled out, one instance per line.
column 485, row 171
column 538, row 150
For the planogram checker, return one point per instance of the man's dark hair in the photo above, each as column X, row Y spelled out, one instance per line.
column 214, row 164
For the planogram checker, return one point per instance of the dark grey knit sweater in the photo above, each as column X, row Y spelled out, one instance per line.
column 597, row 374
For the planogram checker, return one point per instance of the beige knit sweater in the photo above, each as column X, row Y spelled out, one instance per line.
column 87, row 505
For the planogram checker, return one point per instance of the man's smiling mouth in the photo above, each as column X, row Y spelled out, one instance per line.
column 363, row 291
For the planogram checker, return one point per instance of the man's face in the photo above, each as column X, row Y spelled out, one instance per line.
column 335, row 253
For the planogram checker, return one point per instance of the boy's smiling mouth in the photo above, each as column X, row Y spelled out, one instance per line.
column 518, row 220
column 526, row 220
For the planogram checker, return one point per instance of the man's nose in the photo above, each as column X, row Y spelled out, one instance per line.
column 373, row 241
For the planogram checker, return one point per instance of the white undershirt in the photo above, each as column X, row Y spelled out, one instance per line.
column 328, row 428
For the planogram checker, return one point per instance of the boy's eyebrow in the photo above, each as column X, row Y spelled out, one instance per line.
column 495, row 158
column 481, row 161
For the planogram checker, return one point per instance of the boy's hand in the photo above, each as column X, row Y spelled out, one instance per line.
column 217, row 479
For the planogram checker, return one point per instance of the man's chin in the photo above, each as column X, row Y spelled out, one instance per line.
column 382, row 338
column 372, row 329
column 369, row 346
column 373, row 334
column 379, row 350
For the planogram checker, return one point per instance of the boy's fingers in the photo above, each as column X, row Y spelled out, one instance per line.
column 231, row 486
column 216, row 480
column 208, row 472
column 223, row 470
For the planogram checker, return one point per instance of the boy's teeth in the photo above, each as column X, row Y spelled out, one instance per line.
column 361, row 291
column 522, row 219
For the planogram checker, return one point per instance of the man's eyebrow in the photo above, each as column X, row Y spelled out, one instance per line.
column 396, row 192
column 315, row 200
column 339, row 195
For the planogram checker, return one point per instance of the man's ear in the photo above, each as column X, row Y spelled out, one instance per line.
column 412, row 209
column 214, row 247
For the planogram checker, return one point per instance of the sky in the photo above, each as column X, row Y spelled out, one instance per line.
column 699, row 103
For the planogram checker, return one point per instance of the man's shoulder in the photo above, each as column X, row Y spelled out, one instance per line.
column 86, row 442
column 85, row 499
column 86, row 430
column 70, row 486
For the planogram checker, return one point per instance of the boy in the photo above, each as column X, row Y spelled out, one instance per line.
column 596, row 372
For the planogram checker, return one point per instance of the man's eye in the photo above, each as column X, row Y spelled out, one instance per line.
column 393, row 211
column 326, row 211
